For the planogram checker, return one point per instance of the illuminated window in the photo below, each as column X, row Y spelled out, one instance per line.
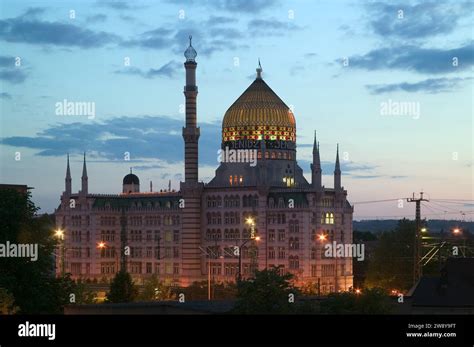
column 329, row 218
column 241, row 179
column 230, row 180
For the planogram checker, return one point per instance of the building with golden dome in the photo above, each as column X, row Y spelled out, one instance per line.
column 247, row 217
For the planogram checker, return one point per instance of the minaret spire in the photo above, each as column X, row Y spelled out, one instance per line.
column 259, row 70
column 191, row 132
column 68, row 189
column 316, row 172
column 337, row 171
column 85, row 185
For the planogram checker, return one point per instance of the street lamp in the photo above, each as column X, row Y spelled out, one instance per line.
column 322, row 237
column 250, row 221
column 59, row 233
column 456, row 231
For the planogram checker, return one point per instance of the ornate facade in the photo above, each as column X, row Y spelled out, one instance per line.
column 257, row 216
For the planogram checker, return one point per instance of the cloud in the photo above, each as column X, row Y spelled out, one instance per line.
column 366, row 176
column 34, row 11
column 13, row 75
column 37, row 32
column 147, row 137
column 233, row 6
column 168, row 70
column 117, row 5
column 98, row 18
column 5, row 95
column 431, row 86
column 206, row 40
column 271, row 27
column 219, row 20
column 158, row 38
column 417, row 20
column 413, row 58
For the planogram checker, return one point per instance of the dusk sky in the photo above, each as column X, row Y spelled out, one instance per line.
column 336, row 63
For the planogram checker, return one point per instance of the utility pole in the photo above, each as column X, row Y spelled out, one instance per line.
column 417, row 269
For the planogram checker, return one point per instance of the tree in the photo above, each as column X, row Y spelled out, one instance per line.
column 83, row 294
column 267, row 292
column 122, row 288
column 391, row 266
column 31, row 283
column 199, row 291
column 156, row 290
column 7, row 302
column 370, row 301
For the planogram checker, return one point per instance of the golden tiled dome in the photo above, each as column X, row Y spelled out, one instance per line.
column 259, row 112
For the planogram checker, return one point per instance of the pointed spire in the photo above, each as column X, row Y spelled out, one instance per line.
column 68, row 178
column 316, row 177
column 85, row 185
column 259, row 70
column 84, row 167
column 68, row 169
column 315, row 145
column 131, row 170
column 337, row 172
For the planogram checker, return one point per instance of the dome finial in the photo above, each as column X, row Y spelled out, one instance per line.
column 131, row 170
column 190, row 53
column 259, row 70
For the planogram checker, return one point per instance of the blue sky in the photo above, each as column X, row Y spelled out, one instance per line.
column 335, row 62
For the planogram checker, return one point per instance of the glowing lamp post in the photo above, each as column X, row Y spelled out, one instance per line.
column 59, row 234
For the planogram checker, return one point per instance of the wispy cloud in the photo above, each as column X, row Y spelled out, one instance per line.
column 169, row 69
column 271, row 27
column 5, row 95
column 31, row 30
column 9, row 72
column 145, row 137
column 118, row 5
column 408, row 21
column 431, row 86
column 97, row 18
column 414, row 58
column 233, row 6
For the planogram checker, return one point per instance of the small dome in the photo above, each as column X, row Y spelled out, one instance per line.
column 131, row 179
column 190, row 53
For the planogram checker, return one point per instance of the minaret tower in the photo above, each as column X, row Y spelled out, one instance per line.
column 316, row 172
column 85, row 185
column 191, row 132
column 68, row 179
column 192, row 268
column 337, row 172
